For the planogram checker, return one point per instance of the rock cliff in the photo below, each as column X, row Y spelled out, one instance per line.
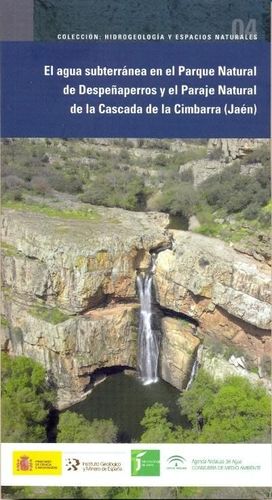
column 233, row 149
column 79, row 264
column 221, row 153
column 178, row 351
column 73, row 349
column 70, row 298
column 227, row 293
column 69, row 291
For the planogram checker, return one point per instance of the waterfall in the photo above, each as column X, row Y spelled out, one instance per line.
column 192, row 374
column 148, row 339
column 195, row 367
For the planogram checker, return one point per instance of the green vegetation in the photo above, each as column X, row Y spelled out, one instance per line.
column 44, row 209
column 241, row 201
column 233, row 192
column 176, row 198
column 74, row 428
column 4, row 321
column 9, row 250
column 234, row 411
column 50, row 314
column 114, row 174
column 26, row 399
column 157, row 428
column 51, row 492
column 142, row 174
column 122, row 189
column 238, row 413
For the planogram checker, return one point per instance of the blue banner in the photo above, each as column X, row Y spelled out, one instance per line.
column 123, row 89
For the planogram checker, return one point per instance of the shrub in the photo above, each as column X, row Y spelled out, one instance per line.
column 234, row 410
column 252, row 211
column 26, row 400
column 238, row 413
column 117, row 189
column 187, row 175
column 199, row 397
column 74, row 428
column 259, row 155
column 234, row 192
column 64, row 183
column 215, row 154
column 40, row 185
column 178, row 198
column 12, row 182
column 124, row 155
column 13, row 195
column 157, row 428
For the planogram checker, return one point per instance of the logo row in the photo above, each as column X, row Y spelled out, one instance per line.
column 143, row 463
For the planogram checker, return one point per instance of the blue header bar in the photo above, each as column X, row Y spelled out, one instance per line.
column 188, row 90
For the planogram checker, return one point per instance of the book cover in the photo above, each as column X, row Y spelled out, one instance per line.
column 136, row 265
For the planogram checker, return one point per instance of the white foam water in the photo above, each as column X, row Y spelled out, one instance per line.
column 148, row 339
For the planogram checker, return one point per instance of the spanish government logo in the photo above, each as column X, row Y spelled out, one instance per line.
column 145, row 462
column 37, row 463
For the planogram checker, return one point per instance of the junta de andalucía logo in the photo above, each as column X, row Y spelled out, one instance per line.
column 176, row 462
column 145, row 462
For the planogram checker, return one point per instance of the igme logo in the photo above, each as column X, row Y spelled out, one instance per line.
column 176, row 462
column 72, row 464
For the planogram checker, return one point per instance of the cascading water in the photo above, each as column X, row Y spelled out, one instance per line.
column 195, row 367
column 148, row 338
column 192, row 374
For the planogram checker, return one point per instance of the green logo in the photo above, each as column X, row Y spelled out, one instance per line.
column 145, row 462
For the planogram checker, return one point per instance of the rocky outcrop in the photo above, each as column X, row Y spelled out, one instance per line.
column 232, row 149
column 81, row 275
column 70, row 299
column 227, row 293
column 202, row 169
column 79, row 264
column 178, row 351
column 221, row 368
column 73, row 349
column 221, row 153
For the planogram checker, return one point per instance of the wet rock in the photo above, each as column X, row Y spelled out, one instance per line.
column 178, row 350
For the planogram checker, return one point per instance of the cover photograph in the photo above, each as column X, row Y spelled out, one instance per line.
column 135, row 249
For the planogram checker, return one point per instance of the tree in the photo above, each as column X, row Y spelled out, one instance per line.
column 177, row 198
column 199, row 396
column 43, row 492
column 234, row 411
column 238, row 413
column 74, row 428
column 235, row 192
column 157, row 428
column 26, row 400
column 127, row 493
column 117, row 188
